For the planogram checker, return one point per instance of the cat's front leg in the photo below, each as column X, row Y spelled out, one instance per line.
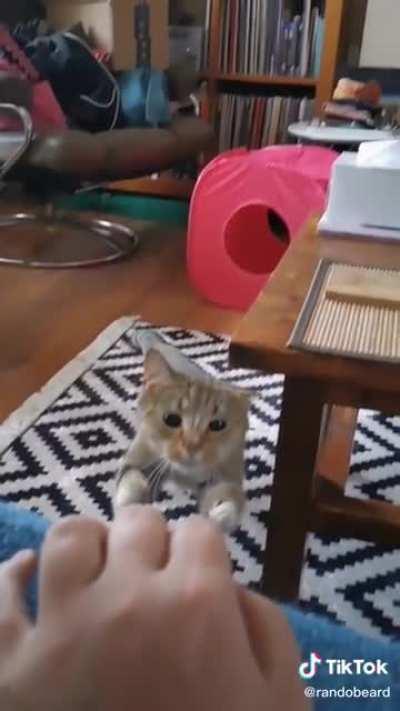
column 132, row 486
column 223, row 503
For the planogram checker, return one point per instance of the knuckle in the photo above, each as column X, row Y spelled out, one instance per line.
column 204, row 532
column 123, row 615
column 151, row 516
column 203, row 590
column 75, row 527
column 9, row 627
column 60, row 650
column 274, row 612
column 145, row 516
column 65, row 529
column 7, row 570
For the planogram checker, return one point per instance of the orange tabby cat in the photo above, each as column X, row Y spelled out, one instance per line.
column 193, row 432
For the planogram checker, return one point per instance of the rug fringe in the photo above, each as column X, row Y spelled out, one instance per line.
column 23, row 418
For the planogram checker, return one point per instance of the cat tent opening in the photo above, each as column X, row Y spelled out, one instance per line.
column 246, row 208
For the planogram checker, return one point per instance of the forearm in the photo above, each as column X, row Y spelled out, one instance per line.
column 120, row 154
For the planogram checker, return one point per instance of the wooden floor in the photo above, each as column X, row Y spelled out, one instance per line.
column 47, row 317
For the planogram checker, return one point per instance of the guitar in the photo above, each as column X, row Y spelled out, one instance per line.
column 142, row 34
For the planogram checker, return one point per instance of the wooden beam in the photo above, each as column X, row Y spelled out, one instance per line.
column 337, row 445
column 347, row 517
column 160, row 187
column 334, row 17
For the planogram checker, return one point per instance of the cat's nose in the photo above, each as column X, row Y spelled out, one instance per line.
column 192, row 444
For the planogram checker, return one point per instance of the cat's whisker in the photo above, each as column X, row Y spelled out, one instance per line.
column 162, row 472
column 156, row 476
column 154, row 472
column 161, row 476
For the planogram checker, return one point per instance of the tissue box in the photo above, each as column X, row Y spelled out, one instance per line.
column 363, row 196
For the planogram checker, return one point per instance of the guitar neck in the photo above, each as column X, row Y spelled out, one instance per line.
column 142, row 34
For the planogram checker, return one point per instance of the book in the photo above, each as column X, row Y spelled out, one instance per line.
column 206, row 36
column 294, row 46
column 242, row 34
column 264, row 37
column 313, row 39
column 304, row 52
column 272, row 28
column 224, row 45
column 279, row 38
column 274, row 127
column 319, row 44
column 256, row 121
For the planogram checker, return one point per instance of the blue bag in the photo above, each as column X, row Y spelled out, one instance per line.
column 144, row 91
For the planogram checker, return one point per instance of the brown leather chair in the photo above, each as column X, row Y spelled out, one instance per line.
column 63, row 162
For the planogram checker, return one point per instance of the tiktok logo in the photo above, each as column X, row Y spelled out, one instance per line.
column 308, row 670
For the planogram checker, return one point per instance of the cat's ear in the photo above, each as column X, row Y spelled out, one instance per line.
column 242, row 395
column 157, row 370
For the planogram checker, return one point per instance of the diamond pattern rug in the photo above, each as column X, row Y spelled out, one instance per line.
column 60, row 454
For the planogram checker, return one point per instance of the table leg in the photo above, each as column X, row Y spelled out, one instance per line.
column 299, row 436
column 335, row 455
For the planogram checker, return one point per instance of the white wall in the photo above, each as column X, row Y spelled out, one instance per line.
column 381, row 42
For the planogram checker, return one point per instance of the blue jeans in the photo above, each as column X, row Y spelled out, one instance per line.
column 21, row 529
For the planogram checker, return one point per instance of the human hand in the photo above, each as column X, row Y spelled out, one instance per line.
column 135, row 617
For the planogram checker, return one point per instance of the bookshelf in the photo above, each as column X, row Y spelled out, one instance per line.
column 322, row 86
column 339, row 16
column 271, row 80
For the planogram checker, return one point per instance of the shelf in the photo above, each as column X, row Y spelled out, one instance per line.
column 261, row 80
column 180, row 189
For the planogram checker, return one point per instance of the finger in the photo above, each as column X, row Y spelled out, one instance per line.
column 14, row 578
column 139, row 538
column 270, row 636
column 196, row 543
column 72, row 557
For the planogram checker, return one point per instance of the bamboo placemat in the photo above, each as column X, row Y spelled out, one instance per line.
column 345, row 327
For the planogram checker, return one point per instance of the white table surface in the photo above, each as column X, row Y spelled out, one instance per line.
column 337, row 134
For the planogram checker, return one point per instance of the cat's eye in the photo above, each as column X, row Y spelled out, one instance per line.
column 173, row 420
column 217, row 425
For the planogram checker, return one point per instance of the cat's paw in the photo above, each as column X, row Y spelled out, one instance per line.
column 226, row 515
column 132, row 489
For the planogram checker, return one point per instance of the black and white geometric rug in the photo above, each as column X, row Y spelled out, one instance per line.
column 60, row 454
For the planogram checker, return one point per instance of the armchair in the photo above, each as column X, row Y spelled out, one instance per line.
column 63, row 162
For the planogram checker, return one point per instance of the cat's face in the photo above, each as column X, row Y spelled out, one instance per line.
column 194, row 426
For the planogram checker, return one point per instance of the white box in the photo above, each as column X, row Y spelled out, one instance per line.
column 362, row 200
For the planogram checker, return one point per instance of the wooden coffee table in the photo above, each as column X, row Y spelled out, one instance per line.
column 322, row 395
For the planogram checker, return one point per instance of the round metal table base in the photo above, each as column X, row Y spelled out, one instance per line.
column 119, row 240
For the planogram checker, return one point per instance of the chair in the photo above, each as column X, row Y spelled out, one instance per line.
column 246, row 208
column 59, row 163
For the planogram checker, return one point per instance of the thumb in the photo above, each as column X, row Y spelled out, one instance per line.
column 270, row 635
column 14, row 578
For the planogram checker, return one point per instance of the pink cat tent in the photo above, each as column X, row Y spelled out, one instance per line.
column 246, row 208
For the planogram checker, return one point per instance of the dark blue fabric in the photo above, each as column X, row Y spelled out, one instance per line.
column 85, row 89
column 21, row 529
column 331, row 641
